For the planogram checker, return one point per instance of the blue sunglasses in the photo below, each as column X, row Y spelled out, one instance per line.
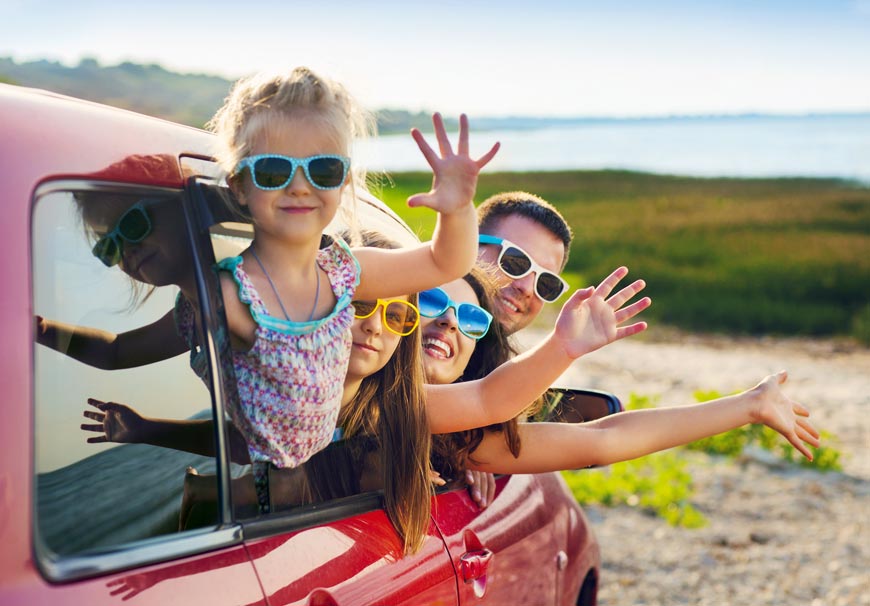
column 473, row 321
column 133, row 227
column 274, row 171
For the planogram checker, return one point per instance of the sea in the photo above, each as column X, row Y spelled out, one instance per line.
column 833, row 145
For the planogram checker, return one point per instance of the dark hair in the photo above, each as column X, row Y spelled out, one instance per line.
column 497, row 207
column 450, row 452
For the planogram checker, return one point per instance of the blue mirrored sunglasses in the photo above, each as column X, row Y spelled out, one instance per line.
column 274, row 171
column 473, row 321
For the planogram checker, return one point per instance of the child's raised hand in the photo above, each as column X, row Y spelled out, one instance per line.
column 455, row 174
column 117, row 422
column 781, row 413
column 589, row 320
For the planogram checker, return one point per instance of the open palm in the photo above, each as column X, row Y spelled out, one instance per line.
column 590, row 320
column 455, row 174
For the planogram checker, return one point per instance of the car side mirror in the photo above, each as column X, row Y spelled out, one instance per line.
column 566, row 405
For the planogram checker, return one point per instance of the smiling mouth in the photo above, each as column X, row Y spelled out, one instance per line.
column 138, row 263
column 295, row 210
column 437, row 348
column 511, row 307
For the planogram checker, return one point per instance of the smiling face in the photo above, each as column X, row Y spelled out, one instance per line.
column 517, row 305
column 446, row 351
column 373, row 346
column 298, row 213
column 158, row 251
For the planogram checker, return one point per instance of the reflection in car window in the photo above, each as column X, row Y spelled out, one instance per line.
column 100, row 494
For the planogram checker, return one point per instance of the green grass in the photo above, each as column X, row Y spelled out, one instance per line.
column 749, row 256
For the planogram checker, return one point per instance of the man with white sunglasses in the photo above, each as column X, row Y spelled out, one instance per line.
column 528, row 240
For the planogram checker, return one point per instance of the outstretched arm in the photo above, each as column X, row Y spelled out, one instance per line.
column 628, row 435
column 110, row 351
column 453, row 248
column 123, row 424
column 588, row 321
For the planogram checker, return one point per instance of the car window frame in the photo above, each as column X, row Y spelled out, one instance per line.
column 58, row 568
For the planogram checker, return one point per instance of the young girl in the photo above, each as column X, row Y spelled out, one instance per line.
column 285, row 142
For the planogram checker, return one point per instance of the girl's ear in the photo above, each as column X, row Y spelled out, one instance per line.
column 235, row 185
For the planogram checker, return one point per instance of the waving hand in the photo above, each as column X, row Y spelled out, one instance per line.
column 455, row 174
column 591, row 318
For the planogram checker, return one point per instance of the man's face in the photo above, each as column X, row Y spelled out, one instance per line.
column 517, row 304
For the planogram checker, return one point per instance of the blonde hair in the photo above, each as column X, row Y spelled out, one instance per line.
column 266, row 101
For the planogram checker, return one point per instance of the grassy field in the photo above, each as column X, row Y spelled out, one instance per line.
column 750, row 256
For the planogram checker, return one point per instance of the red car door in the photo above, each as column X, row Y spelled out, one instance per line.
column 506, row 553
column 351, row 561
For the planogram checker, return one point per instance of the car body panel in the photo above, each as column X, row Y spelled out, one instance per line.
column 347, row 560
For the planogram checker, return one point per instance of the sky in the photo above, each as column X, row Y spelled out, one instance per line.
column 616, row 58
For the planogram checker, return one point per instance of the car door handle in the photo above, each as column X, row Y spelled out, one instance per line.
column 473, row 564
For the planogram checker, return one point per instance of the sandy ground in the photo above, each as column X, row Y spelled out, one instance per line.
column 776, row 534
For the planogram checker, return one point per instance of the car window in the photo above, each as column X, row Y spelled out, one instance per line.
column 93, row 495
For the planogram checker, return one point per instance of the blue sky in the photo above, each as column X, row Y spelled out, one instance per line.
column 550, row 57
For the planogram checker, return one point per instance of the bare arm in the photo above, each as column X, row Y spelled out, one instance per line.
column 453, row 248
column 123, row 424
column 628, row 435
column 588, row 320
column 110, row 351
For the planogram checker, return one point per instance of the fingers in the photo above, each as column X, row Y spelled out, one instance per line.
column 462, row 150
column 441, row 134
column 98, row 439
column 485, row 158
column 807, row 437
column 631, row 329
column 96, row 416
column 807, row 427
column 782, row 376
column 632, row 310
column 428, row 152
column 97, row 403
column 620, row 298
column 802, row 448
column 609, row 283
column 578, row 296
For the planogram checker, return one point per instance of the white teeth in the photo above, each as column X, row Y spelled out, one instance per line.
column 440, row 347
column 509, row 305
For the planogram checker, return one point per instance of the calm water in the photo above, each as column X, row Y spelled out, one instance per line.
column 823, row 146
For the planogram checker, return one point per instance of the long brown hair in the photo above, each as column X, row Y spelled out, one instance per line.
column 390, row 408
column 452, row 451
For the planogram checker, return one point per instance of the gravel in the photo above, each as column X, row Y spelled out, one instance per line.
column 777, row 534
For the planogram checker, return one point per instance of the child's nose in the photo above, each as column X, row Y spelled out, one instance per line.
column 298, row 184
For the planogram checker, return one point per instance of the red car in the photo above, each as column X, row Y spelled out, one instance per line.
column 98, row 523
